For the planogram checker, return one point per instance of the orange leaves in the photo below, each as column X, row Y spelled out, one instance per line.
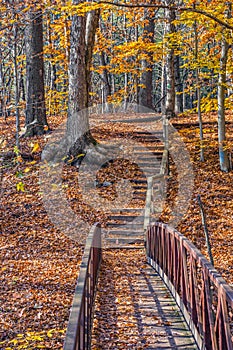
column 215, row 188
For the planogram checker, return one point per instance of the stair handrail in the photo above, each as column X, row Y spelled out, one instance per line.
column 201, row 293
column 78, row 334
column 150, row 194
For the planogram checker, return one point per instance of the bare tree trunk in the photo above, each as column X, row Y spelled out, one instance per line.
column 125, row 74
column 35, row 104
column 92, row 24
column 223, row 155
column 163, row 87
column 52, row 74
column 67, row 48
column 22, row 93
column 198, row 93
column 170, row 73
column 81, row 47
column 178, row 86
column 78, row 122
column 2, row 86
column 146, row 91
column 135, row 78
column 126, row 91
column 106, row 90
column 15, row 31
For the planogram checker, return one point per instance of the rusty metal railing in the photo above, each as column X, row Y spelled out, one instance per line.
column 78, row 335
column 203, row 296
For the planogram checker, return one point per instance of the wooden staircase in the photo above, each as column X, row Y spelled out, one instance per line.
column 125, row 226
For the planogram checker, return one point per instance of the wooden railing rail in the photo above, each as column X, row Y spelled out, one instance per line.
column 78, row 335
column 203, row 296
column 153, row 195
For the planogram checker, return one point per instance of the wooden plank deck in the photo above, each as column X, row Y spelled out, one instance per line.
column 134, row 309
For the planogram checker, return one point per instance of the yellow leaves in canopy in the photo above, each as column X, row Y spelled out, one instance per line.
column 188, row 18
column 101, row 69
column 134, row 48
column 209, row 104
column 216, row 8
column 84, row 7
column 105, row 14
column 173, row 41
column 229, row 102
column 103, row 44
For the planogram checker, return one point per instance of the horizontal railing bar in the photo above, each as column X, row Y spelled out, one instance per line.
column 204, row 297
column 78, row 306
column 214, row 275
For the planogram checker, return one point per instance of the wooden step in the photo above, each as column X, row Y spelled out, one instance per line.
column 139, row 187
column 123, row 217
column 139, row 197
column 153, row 164
column 157, row 132
column 125, row 226
column 126, row 233
column 146, row 138
column 152, row 148
column 124, row 240
column 128, row 210
column 140, row 181
column 128, row 237
column 150, row 171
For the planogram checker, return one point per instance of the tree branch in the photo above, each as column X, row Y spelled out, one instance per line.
column 160, row 6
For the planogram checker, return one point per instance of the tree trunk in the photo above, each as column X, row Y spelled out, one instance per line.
column 163, row 87
column 106, row 89
column 126, row 91
column 17, row 122
column 225, row 46
column 81, row 48
column 146, row 91
column 170, row 73
column 51, row 74
column 35, row 104
column 91, row 27
column 198, row 95
column 22, row 93
column 178, row 86
column 3, row 96
column 223, row 155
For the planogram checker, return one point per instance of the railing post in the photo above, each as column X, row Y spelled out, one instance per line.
column 166, row 139
column 148, row 203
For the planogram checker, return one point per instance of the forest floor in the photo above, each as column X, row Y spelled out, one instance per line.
column 39, row 263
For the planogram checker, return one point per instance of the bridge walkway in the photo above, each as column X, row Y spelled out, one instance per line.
column 134, row 309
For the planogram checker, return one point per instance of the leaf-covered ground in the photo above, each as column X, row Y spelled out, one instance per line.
column 39, row 264
column 214, row 187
